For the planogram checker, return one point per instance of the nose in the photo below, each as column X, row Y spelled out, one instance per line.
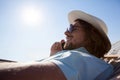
column 67, row 32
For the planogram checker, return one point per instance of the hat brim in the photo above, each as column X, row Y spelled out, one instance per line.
column 96, row 22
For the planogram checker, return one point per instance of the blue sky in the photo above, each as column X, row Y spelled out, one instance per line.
column 28, row 28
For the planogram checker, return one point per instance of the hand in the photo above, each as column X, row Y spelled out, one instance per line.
column 56, row 47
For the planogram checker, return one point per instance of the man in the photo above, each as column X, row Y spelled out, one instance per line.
column 77, row 58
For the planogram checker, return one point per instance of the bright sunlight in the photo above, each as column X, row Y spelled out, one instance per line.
column 31, row 15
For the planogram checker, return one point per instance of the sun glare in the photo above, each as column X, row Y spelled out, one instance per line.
column 31, row 16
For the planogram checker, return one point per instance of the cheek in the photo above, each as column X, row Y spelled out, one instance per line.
column 78, row 39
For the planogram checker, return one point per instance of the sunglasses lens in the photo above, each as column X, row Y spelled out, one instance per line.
column 70, row 29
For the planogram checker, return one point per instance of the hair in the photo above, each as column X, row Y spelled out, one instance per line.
column 96, row 43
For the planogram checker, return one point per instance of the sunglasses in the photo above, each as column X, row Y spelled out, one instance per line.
column 71, row 28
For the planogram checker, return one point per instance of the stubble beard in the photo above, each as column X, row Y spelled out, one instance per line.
column 68, row 46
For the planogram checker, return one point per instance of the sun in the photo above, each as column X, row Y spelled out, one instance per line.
column 31, row 15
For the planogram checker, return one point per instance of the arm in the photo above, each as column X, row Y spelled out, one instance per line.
column 35, row 71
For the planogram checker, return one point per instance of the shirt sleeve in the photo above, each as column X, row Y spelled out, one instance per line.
column 81, row 66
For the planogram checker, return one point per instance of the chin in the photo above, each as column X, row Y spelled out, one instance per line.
column 68, row 46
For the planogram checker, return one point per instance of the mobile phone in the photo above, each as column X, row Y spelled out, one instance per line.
column 63, row 45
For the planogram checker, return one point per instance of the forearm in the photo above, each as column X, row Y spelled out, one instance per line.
column 41, row 71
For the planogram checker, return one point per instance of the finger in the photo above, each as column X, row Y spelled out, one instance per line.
column 56, row 45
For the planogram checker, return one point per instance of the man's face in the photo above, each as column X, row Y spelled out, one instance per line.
column 75, row 37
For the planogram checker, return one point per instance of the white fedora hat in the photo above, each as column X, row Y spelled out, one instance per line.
column 96, row 22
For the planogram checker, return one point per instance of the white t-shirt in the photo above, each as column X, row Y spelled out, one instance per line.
column 78, row 64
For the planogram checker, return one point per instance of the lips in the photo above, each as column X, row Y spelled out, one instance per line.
column 68, row 38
